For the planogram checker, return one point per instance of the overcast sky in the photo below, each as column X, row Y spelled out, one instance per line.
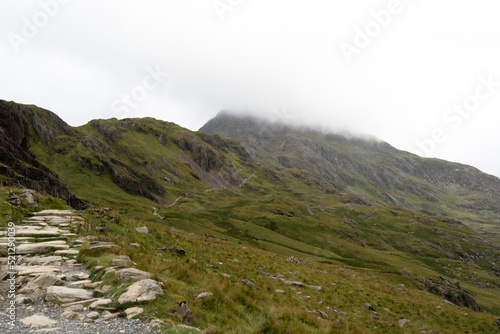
column 422, row 75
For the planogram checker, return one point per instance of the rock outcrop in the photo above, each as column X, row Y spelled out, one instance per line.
column 18, row 166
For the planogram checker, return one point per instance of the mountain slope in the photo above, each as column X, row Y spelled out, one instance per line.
column 372, row 169
column 167, row 176
column 18, row 166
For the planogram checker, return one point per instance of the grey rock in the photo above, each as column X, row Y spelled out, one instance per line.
column 143, row 229
column 132, row 274
column 93, row 315
column 75, row 308
column 143, row 290
column 38, row 320
column 249, row 283
column 155, row 323
column 368, row 306
column 100, row 302
column 122, row 261
column 67, row 295
column 292, row 259
column 133, row 312
column 403, row 322
column 185, row 312
column 40, row 283
column 71, row 315
column 405, row 272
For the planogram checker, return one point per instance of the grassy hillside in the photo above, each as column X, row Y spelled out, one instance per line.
column 160, row 175
column 349, row 273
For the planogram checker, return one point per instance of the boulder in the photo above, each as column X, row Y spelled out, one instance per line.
column 405, row 272
column 28, row 196
column 38, row 320
column 121, row 261
column 40, row 283
column 143, row 229
column 249, row 283
column 67, row 295
column 133, row 312
column 71, row 315
column 315, row 287
column 293, row 259
column 40, row 247
column 75, row 308
column 67, row 252
column 185, row 312
column 204, row 295
column 132, row 274
column 403, row 322
column 100, row 302
column 368, row 306
column 140, row 291
column 155, row 323
column 93, row 315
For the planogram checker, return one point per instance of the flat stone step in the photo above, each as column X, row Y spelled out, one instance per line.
column 41, row 247
column 35, row 270
column 79, row 284
column 67, row 252
column 56, row 213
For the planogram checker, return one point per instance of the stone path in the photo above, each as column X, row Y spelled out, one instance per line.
column 46, row 266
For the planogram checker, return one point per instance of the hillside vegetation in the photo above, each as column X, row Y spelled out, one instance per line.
column 244, row 209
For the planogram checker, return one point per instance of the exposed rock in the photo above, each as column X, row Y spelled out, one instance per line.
column 315, row 287
column 18, row 165
column 40, row 247
column 405, row 272
column 135, row 245
column 72, row 315
column 38, row 320
column 279, row 291
column 14, row 199
column 155, row 323
column 368, row 306
column 204, row 295
column 93, row 315
column 132, row 274
column 140, row 291
column 121, row 261
column 133, row 312
column 249, row 283
column 67, row 252
column 42, row 282
column 98, row 244
column 403, row 322
column 21, row 299
column 142, row 229
column 452, row 293
column 77, row 277
column 185, row 312
column 293, row 260
column 28, row 196
column 67, row 295
column 75, row 308
column 110, row 316
column 291, row 282
column 100, row 302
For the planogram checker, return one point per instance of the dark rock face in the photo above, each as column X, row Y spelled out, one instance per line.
column 451, row 292
column 17, row 164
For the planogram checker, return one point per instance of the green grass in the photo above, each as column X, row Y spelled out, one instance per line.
column 236, row 308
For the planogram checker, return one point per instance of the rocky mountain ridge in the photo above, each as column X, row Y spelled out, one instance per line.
column 370, row 169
